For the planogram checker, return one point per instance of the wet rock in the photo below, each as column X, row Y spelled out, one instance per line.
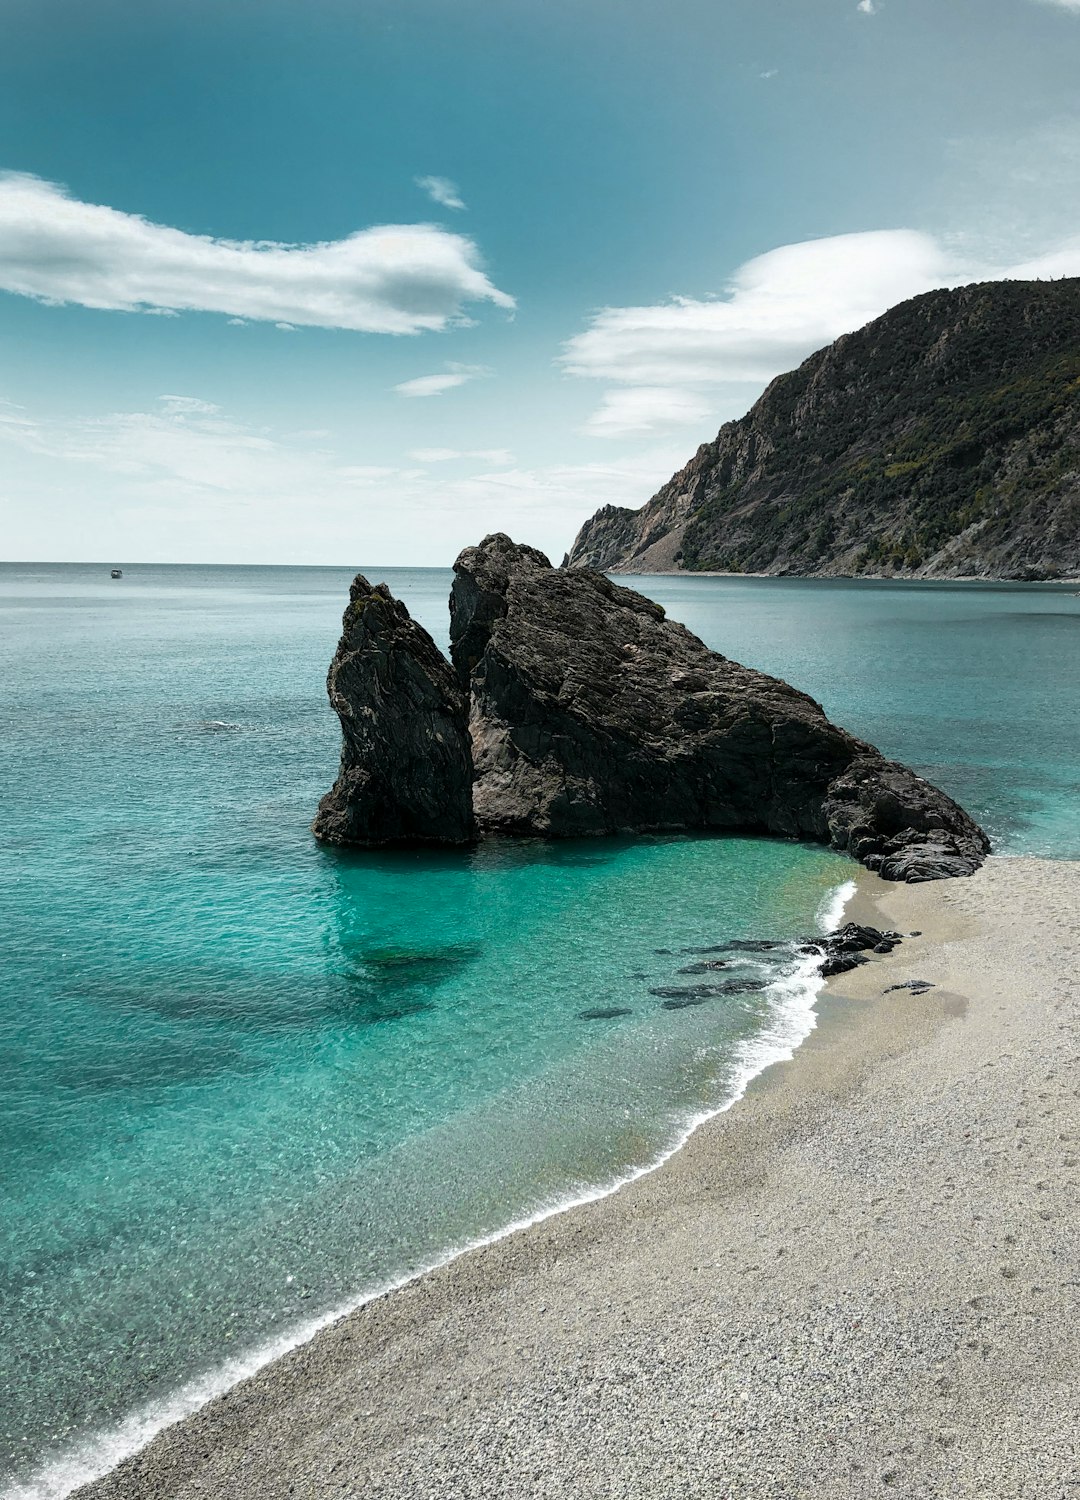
column 707, row 967
column 916, row 986
column 752, row 945
column 847, row 947
column 406, row 770
column 604, row 1013
column 840, row 963
column 708, row 991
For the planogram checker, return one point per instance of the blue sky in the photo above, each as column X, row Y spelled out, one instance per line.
column 350, row 282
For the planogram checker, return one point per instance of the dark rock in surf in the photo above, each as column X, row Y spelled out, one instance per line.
column 750, row 945
column 841, row 963
column 847, row 947
column 594, row 714
column 708, row 991
column 406, row 769
column 604, row 1013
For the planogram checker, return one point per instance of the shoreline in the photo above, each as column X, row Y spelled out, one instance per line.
column 411, row 1390
column 841, row 577
column 75, row 1469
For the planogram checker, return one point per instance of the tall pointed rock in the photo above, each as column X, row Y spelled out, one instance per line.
column 406, row 768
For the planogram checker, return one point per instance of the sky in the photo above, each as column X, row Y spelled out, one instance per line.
column 355, row 282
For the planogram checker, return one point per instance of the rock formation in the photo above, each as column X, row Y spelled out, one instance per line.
column 591, row 713
column 940, row 441
column 406, row 769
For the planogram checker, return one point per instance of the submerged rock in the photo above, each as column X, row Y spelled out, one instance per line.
column 594, row 714
column 406, row 769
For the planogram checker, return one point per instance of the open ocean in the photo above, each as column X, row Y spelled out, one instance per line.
column 245, row 1080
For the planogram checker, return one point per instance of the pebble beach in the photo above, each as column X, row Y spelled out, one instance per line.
column 861, row 1280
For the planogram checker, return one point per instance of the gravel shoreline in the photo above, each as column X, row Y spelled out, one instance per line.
column 861, row 1281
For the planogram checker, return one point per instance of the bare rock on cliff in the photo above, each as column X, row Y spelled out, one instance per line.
column 592, row 713
column 406, row 768
column 940, row 441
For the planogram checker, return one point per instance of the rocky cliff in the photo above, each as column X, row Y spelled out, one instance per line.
column 406, row 761
column 940, row 441
column 591, row 713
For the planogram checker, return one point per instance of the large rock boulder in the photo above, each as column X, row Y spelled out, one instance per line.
column 406, row 769
column 592, row 713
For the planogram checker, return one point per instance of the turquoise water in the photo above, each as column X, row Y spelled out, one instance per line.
column 246, row 1079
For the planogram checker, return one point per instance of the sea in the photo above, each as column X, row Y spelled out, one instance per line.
column 247, row 1082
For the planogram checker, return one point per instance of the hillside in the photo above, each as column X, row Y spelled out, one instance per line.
column 941, row 440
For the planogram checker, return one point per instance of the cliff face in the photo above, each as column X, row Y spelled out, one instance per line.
column 942, row 440
column 590, row 713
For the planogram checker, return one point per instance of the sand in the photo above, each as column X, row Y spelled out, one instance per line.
column 860, row 1281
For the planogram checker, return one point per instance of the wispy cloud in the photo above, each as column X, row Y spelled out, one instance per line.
column 647, row 409
column 397, row 278
column 441, row 190
column 436, row 385
column 498, row 457
column 769, row 73
column 868, row 7
column 182, row 480
column 1073, row 5
column 674, row 362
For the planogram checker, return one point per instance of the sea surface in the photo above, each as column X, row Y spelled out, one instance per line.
column 246, row 1081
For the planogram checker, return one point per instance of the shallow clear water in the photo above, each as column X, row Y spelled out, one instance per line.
column 245, row 1078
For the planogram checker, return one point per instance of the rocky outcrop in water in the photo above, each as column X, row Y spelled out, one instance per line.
column 406, row 767
column 591, row 713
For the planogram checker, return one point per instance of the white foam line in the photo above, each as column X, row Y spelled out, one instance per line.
column 93, row 1456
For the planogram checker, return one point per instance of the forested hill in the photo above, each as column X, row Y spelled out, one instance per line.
column 941, row 440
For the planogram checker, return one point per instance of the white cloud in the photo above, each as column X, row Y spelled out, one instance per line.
column 500, row 457
column 188, row 406
column 435, row 385
column 643, row 408
column 180, row 483
column 666, row 361
column 769, row 73
column 395, row 278
column 441, row 190
column 867, row 7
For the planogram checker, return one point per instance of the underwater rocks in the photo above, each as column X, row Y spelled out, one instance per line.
column 591, row 713
column 406, row 766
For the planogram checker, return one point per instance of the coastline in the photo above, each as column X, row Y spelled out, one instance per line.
column 829, row 1290
column 837, row 577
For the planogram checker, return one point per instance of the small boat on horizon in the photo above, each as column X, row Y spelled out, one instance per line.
column 117, row 573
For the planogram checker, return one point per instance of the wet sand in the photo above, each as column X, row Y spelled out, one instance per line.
column 863, row 1280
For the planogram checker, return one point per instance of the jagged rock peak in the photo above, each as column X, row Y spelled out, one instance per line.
column 478, row 598
column 406, row 768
